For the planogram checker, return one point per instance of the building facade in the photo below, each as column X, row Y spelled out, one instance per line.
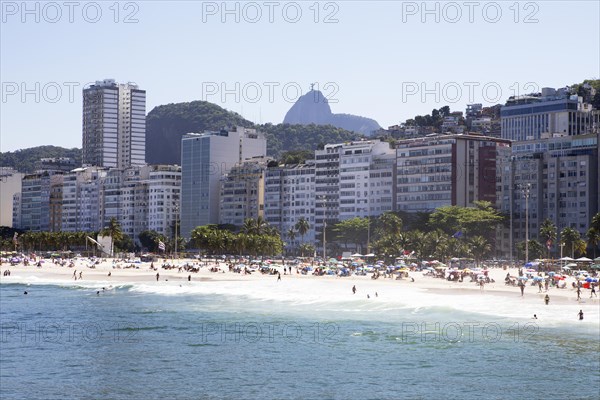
column 552, row 178
column 289, row 197
column 205, row 158
column 551, row 112
column 114, row 125
column 444, row 170
column 243, row 192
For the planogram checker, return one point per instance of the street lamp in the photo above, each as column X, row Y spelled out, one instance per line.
column 526, row 189
column 324, row 198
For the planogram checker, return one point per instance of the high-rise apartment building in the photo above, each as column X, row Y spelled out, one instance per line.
column 446, row 170
column 114, row 125
column 289, row 197
column 353, row 179
column 553, row 178
column 243, row 192
column 205, row 158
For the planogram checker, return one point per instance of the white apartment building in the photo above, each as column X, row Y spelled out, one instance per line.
column 80, row 200
column 353, row 179
column 289, row 197
column 114, row 125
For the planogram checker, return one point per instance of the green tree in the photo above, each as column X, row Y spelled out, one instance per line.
column 548, row 233
column 302, row 226
column 388, row 223
column 570, row 238
column 480, row 220
column 258, row 226
column 593, row 237
column 307, row 248
column 291, row 234
column 114, row 231
column 352, row 230
column 535, row 248
column 480, row 248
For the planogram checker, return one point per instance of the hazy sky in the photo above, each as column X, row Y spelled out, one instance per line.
column 384, row 60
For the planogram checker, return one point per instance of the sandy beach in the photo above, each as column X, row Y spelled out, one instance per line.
column 425, row 291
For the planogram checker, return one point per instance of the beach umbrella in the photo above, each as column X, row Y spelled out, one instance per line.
column 566, row 259
column 570, row 265
column 467, row 270
column 584, row 259
column 596, row 266
column 356, row 255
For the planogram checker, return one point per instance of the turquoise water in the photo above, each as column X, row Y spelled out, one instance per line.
column 69, row 342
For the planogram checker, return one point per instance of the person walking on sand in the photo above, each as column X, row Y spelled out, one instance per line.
column 157, row 276
column 354, row 289
column 580, row 313
column 522, row 286
column 593, row 292
column 547, row 299
column 278, row 276
column 80, row 275
column 578, row 293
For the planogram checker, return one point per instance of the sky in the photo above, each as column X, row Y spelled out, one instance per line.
column 384, row 60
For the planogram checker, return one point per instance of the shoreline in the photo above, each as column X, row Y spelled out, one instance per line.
column 328, row 291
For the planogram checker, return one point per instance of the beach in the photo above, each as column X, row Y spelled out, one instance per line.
column 415, row 291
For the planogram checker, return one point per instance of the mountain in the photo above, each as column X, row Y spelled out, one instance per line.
column 24, row 160
column 313, row 108
column 166, row 125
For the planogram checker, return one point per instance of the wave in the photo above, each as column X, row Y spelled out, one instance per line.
column 334, row 299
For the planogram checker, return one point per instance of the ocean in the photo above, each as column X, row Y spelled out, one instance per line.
column 233, row 340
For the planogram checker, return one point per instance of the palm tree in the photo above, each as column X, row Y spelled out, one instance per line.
column 593, row 236
column 291, row 234
column 256, row 226
column 570, row 237
column 479, row 248
column 302, row 226
column 548, row 234
column 114, row 231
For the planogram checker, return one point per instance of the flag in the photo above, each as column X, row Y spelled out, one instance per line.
column 457, row 235
column 161, row 245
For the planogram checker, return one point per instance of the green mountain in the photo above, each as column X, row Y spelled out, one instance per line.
column 166, row 125
column 24, row 160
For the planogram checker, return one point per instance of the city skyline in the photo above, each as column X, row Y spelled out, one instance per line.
column 245, row 69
